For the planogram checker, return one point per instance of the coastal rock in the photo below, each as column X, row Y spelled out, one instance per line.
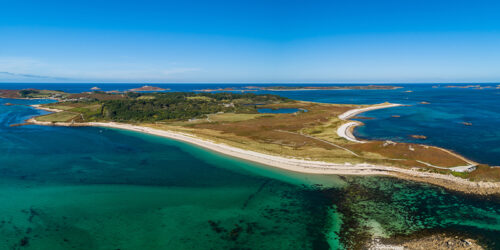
column 148, row 88
column 438, row 242
column 420, row 137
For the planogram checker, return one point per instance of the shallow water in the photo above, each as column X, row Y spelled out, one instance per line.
column 89, row 188
column 95, row 188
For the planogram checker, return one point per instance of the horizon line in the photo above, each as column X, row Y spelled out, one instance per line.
column 146, row 83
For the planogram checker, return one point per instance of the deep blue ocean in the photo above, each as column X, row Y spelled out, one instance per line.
column 441, row 120
column 99, row 188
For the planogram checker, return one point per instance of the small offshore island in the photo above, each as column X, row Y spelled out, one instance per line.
column 301, row 88
column 318, row 141
column 148, row 88
column 353, row 87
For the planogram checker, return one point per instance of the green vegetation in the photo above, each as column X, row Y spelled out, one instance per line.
column 156, row 107
column 64, row 116
column 464, row 175
column 56, row 106
column 85, row 111
column 181, row 105
column 231, row 117
column 35, row 93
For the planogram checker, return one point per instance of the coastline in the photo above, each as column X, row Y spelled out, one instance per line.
column 302, row 165
column 353, row 112
column 38, row 106
column 302, row 89
column 346, row 129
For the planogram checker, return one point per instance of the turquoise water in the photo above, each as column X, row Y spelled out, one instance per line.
column 95, row 188
column 91, row 188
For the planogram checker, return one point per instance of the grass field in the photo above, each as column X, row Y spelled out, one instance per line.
column 145, row 98
column 203, row 98
column 81, row 110
column 60, row 107
column 231, row 117
column 63, row 116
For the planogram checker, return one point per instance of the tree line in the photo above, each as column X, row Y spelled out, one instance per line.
column 150, row 107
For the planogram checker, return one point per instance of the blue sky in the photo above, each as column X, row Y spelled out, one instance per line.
column 250, row 41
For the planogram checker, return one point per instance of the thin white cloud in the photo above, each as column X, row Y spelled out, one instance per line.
column 31, row 76
column 28, row 69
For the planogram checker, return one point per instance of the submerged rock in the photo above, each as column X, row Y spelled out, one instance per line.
column 24, row 241
column 421, row 137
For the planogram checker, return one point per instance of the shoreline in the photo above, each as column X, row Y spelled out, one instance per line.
column 346, row 130
column 393, row 88
column 301, row 165
column 353, row 112
column 38, row 106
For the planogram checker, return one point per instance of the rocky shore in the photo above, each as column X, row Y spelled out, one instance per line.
column 438, row 242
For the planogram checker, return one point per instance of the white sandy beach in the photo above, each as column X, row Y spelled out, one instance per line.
column 291, row 164
column 38, row 106
column 345, row 130
column 353, row 112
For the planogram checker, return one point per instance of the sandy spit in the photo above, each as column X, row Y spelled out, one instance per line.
column 345, row 130
column 303, row 165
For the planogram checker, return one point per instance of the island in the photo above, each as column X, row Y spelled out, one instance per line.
column 318, row 140
column 299, row 88
column 469, row 87
column 345, row 87
column 33, row 94
column 148, row 88
column 226, row 89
